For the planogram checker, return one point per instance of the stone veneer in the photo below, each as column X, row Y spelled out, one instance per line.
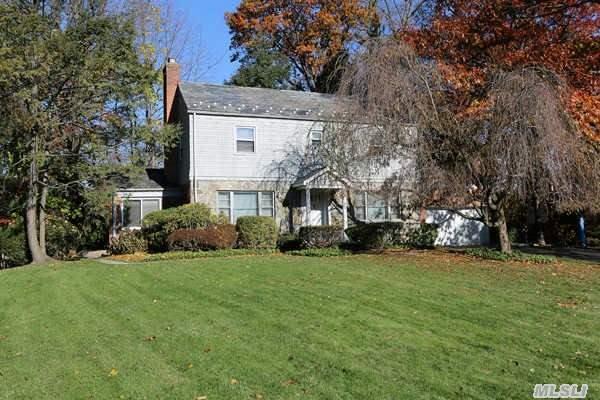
column 206, row 192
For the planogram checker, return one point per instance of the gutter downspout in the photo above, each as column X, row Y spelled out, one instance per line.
column 192, row 156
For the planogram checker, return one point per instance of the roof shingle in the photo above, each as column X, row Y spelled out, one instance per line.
column 271, row 103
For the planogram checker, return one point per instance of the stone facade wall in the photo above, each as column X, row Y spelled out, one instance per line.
column 206, row 192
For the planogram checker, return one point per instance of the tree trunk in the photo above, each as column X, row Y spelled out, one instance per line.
column 42, row 218
column 505, row 245
column 38, row 253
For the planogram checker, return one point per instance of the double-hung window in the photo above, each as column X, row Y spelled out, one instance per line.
column 245, row 140
column 316, row 136
column 238, row 204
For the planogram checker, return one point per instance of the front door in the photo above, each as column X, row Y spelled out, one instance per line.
column 319, row 203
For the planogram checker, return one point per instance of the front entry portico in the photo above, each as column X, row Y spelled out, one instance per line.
column 317, row 191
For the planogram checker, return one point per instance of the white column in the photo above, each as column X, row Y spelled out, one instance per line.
column 307, row 208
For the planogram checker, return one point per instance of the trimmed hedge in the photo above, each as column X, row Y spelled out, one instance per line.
column 214, row 237
column 128, row 242
column 320, row 237
column 257, row 232
column 379, row 235
column 289, row 242
column 157, row 226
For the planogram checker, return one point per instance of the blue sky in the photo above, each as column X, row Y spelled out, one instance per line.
column 209, row 17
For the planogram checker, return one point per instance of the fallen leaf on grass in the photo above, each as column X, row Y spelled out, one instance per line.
column 113, row 372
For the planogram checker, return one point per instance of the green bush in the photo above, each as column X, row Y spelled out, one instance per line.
column 157, row 226
column 319, row 237
column 320, row 252
column 214, row 237
column 380, row 235
column 377, row 235
column 257, row 232
column 516, row 255
column 13, row 248
column 128, row 242
column 288, row 242
column 62, row 238
column 422, row 237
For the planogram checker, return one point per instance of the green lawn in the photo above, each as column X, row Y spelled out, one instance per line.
column 271, row 327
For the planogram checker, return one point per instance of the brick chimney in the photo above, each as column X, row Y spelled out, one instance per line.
column 170, row 82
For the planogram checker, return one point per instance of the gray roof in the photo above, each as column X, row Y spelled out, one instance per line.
column 151, row 178
column 272, row 103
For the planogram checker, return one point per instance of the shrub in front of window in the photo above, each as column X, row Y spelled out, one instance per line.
column 288, row 242
column 380, row 235
column 157, row 226
column 13, row 248
column 128, row 242
column 377, row 235
column 319, row 237
column 214, row 237
column 257, row 232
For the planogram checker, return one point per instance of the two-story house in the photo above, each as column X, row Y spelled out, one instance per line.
column 235, row 155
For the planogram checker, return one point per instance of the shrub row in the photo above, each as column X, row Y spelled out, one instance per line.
column 257, row 232
column 320, row 237
column 214, row 237
column 157, row 226
column 194, row 227
column 379, row 235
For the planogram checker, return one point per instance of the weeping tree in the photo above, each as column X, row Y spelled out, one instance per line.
column 71, row 83
column 399, row 114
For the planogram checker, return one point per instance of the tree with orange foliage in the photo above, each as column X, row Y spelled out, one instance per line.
column 315, row 35
column 470, row 39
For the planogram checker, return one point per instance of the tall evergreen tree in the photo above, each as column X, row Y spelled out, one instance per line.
column 70, row 82
column 262, row 67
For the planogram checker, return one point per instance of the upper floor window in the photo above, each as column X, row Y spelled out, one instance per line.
column 316, row 136
column 245, row 140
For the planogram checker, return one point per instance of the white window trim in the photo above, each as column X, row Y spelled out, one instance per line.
column 365, row 208
column 141, row 200
column 313, row 131
column 235, row 140
column 258, row 201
